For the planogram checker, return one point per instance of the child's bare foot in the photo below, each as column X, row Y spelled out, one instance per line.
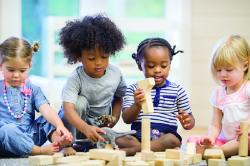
column 61, row 140
column 69, row 151
column 45, row 150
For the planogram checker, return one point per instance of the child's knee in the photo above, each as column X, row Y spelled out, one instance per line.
column 171, row 141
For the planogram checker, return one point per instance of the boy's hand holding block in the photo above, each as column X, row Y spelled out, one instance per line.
column 147, row 85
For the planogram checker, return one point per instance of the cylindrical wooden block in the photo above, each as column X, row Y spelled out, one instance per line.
column 145, row 139
column 243, row 145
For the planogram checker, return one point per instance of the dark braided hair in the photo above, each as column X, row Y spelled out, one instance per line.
column 152, row 42
column 90, row 33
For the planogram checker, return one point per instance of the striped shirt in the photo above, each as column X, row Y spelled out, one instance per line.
column 167, row 101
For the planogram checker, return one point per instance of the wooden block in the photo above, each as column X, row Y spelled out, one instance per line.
column 179, row 162
column 160, row 155
column 85, row 163
column 243, row 145
column 217, row 162
column 238, row 161
column 145, row 139
column 132, row 158
column 106, row 154
column 151, row 163
column 197, row 158
column 115, row 161
column 190, row 148
column 189, row 158
column 213, row 154
column 147, row 85
column 41, row 160
column 164, row 162
column 93, row 163
column 58, row 154
column 137, row 163
column 173, row 154
column 70, row 159
column 147, row 156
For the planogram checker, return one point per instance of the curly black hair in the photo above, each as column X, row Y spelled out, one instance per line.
column 151, row 42
column 89, row 33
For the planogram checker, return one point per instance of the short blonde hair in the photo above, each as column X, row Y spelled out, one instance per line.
column 229, row 52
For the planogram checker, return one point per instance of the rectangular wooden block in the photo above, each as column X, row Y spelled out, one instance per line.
column 40, row 160
column 217, row 162
column 213, row 154
column 238, row 161
column 147, row 85
column 173, row 154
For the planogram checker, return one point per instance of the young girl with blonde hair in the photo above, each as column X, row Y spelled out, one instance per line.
column 231, row 100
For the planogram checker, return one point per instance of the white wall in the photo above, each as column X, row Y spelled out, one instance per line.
column 10, row 18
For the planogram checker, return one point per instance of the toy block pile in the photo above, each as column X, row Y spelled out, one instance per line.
column 107, row 157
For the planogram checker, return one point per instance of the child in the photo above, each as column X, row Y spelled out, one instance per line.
column 20, row 133
column 153, row 57
column 92, row 96
column 231, row 100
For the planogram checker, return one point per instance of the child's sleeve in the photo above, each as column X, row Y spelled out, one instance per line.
column 128, row 99
column 71, row 90
column 183, row 101
column 38, row 97
column 212, row 98
column 121, row 89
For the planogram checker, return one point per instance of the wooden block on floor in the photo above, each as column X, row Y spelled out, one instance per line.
column 173, row 154
column 189, row 157
column 190, row 148
column 115, row 161
column 40, row 160
column 238, row 161
column 70, row 159
column 137, row 163
column 106, row 154
column 179, row 162
column 217, row 162
column 197, row 158
column 147, row 156
column 213, row 154
column 58, row 154
column 160, row 155
column 132, row 158
column 164, row 162
column 93, row 163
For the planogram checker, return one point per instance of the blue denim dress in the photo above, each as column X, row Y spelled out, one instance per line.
column 18, row 136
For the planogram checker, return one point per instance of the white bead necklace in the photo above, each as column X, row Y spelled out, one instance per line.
column 26, row 92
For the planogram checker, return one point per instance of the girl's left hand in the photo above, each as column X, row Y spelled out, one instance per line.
column 238, row 132
column 185, row 120
column 62, row 131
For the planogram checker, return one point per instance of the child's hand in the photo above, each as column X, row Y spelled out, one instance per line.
column 238, row 132
column 139, row 96
column 62, row 131
column 185, row 119
column 207, row 141
column 93, row 133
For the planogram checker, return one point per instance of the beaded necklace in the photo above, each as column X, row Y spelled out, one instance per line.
column 26, row 92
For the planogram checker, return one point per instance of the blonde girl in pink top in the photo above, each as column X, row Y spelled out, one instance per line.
column 231, row 100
